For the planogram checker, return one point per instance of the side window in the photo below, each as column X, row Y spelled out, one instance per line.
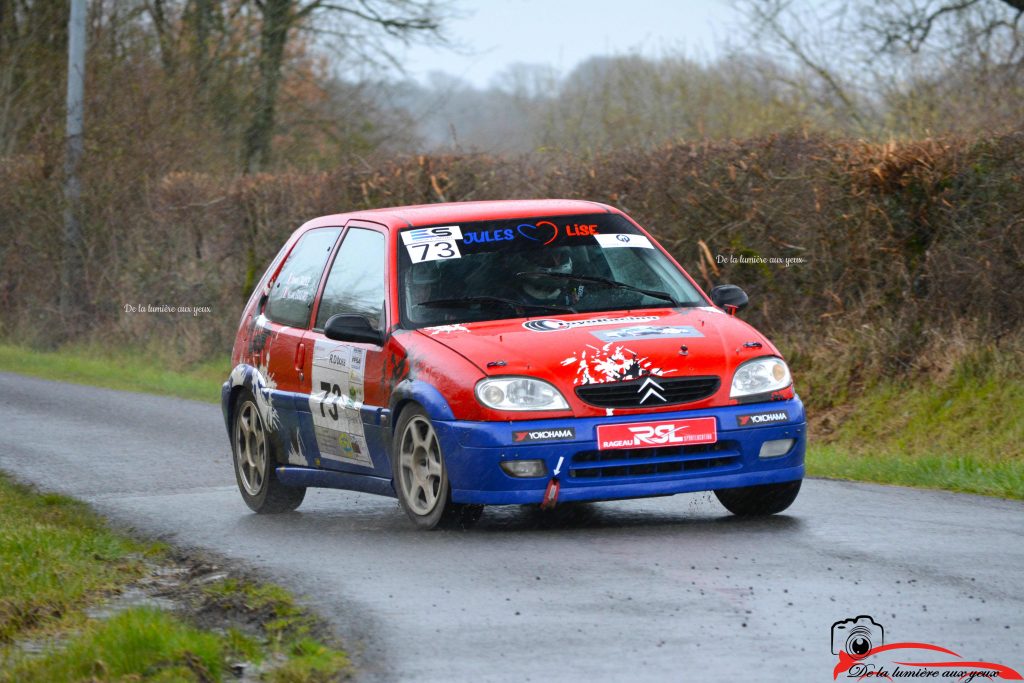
column 291, row 298
column 356, row 283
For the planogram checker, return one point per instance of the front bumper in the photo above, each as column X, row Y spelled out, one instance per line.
column 474, row 452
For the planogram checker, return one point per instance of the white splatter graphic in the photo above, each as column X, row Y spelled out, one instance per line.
column 296, row 453
column 611, row 364
column 448, row 329
column 263, row 385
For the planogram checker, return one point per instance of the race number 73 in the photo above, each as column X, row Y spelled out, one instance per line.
column 329, row 390
column 432, row 251
column 432, row 244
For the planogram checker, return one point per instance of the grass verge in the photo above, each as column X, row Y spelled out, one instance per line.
column 112, row 370
column 57, row 559
column 964, row 432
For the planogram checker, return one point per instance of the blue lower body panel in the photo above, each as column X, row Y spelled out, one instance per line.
column 308, row 476
column 474, row 452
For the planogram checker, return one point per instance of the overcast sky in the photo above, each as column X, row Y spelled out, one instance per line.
column 563, row 33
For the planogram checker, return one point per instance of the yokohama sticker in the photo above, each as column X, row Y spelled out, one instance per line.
column 758, row 419
column 659, row 434
column 559, row 434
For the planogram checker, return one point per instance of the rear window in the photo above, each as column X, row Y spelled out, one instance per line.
column 291, row 297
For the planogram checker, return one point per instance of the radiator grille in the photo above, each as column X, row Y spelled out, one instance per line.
column 648, row 392
column 651, row 462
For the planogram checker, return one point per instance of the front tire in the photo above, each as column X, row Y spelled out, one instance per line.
column 254, row 458
column 421, row 477
column 758, row 501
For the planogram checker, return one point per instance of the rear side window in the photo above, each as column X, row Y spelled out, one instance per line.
column 291, row 298
column 356, row 283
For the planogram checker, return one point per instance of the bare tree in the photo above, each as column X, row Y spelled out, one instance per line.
column 909, row 25
column 802, row 35
column 903, row 66
column 362, row 26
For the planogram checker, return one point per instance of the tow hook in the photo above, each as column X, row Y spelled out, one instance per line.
column 550, row 495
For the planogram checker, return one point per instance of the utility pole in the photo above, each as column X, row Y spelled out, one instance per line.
column 71, row 245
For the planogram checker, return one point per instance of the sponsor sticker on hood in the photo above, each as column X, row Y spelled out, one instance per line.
column 648, row 332
column 761, row 419
column 554, row 324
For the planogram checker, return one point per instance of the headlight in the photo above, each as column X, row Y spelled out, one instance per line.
column 519, row 393
column 760, row 376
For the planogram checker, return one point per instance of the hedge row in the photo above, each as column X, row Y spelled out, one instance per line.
column 883, row 257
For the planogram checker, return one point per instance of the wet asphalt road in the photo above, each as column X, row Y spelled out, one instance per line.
column 658, row 589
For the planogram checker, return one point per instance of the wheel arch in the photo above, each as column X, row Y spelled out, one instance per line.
column 413, row 392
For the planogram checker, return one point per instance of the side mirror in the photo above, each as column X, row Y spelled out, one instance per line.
column 352, row 328
column 729, row 297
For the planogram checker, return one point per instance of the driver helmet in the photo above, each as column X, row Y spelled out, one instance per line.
column 552, row 260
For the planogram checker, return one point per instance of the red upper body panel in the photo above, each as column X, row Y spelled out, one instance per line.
column 566, row 350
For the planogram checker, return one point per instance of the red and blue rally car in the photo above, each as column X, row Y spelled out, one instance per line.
column 513, row 352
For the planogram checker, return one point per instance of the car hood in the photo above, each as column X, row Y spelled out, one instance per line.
column 584, row 348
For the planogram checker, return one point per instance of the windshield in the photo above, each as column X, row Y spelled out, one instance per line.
column 491, row 270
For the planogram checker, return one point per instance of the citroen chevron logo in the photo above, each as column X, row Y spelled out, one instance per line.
column 652, row 390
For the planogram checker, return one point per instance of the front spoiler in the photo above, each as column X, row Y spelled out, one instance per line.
column 474, row 451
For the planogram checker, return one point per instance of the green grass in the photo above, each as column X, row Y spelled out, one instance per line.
column 290, row 629
column 54, row 556
column 963, row 433
column 142, row 643
column 964, row 473
column 282, row 618
column 57, row 558
column 310, row 661
column 112, row 370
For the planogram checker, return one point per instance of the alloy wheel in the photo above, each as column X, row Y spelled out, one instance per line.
column 420, row 466
column 251, row 448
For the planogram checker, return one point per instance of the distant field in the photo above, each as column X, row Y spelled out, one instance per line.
column 965, row 433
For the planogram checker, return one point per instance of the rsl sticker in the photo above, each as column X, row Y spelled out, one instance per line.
column 432, row 244
column 336, row 402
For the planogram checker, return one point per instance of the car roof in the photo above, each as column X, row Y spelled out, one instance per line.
column 456, row 212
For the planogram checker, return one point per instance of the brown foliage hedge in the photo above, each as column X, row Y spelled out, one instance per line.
column 911, row 252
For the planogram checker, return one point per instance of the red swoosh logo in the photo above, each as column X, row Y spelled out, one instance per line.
column 846, row 661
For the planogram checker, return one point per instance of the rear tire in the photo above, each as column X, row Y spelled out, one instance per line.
column 757, row 501
column 421, row 476
column 254, row 456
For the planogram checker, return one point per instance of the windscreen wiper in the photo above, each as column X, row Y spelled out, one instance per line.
column 463, row 301
column 608, row 282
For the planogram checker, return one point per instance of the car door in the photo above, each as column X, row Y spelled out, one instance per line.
column 346, row 397
column 283, row 325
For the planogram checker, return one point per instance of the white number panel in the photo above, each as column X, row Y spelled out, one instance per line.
column 432, row 244
column 335, row 401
